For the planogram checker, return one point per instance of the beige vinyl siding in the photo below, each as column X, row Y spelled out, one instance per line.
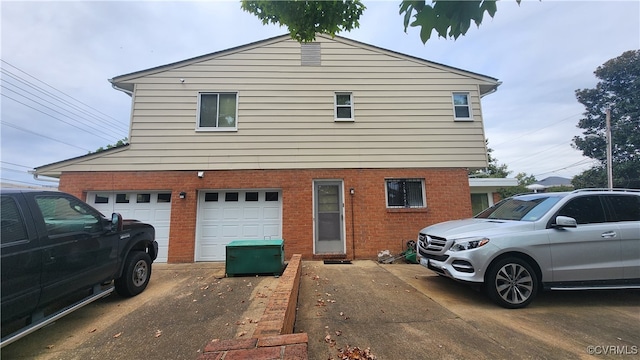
column 403, row 113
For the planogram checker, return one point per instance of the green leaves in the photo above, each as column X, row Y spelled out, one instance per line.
column 306, row 18
column 618, row 89
column 448, row 18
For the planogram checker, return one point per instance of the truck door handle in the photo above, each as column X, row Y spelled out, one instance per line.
column 608, row 234
column 48, row 257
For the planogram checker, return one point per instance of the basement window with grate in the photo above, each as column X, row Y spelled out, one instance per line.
column 405, row 193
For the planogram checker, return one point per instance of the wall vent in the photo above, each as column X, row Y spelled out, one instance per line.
column 310, row 54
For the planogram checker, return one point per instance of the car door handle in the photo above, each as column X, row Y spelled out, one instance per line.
column 608, row 234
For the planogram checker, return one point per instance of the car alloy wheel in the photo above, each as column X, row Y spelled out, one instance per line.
column 512, row 283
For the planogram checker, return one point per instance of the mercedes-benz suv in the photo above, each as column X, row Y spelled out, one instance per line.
column 584, row 239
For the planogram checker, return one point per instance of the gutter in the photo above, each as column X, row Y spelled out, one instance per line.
column 113, row 85
column 35, row 177
column 495, row 88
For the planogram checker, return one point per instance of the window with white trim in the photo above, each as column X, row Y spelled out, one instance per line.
column 217, row 111
column 405, row 193
column 344, row 106
column 462, row 106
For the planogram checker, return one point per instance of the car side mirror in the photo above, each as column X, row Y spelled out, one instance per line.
column 116, row 222
column 565, row 221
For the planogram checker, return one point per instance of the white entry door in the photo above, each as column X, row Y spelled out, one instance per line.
column 150, row 207
column 227, row 215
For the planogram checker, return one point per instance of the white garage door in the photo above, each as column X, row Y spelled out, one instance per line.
column 224, row 216
column 149, row 207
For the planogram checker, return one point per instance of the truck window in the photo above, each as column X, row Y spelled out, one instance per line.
column 13, row 228
column 63, row 215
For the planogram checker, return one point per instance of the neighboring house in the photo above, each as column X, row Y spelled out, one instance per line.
column 484, row 191
column 552, row 181
column 340, row 148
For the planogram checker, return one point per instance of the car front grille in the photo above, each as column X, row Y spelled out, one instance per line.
column 434, row 257
column 432, row 243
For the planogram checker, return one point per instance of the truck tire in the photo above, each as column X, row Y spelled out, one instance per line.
column 135, row 275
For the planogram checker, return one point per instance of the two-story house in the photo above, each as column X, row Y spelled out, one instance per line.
column 340, row 148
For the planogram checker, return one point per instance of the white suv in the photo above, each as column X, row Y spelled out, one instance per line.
column 585, row 239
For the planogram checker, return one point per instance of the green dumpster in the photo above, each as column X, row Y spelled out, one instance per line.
column 246, row 257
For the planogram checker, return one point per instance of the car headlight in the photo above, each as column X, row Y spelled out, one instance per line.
column 468, row 243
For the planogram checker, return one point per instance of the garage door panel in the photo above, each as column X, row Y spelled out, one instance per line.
column 146, row 206
column 210, row 230
column 252, row 213
column 271, row 230
column 142, row 214
column 211, row 213
column 162, row 216
column 230, row 231
column 251, row 217
column 231, row 213
column 251, row 231
column 271, row 213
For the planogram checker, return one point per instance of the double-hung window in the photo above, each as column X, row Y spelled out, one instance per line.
column 462, row 106
column 405, row 193
column 217, row 111
column 344, row 106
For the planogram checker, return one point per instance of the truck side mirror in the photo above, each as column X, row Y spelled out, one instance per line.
column 116, row 222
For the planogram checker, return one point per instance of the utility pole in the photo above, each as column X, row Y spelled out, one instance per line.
column 609, row 162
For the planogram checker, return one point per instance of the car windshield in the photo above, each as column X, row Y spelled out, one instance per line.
column 521, row 208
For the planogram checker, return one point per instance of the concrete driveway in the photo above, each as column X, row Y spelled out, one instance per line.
column 403, row 311
column 184, row 307
column 399, row 311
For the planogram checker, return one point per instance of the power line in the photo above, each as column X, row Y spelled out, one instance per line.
column 538, row 153
column 44, row 136
column 33, row 96
column 107, row 117
column 579, row 163
column 23, row 182
column 535, row 131
column 66, row 122
column 14, row 164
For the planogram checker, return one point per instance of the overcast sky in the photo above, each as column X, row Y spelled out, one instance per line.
column 57, row 58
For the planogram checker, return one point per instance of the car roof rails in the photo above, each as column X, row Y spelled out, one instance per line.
column 607, row 189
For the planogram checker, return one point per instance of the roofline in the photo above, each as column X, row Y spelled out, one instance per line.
column 185, row 62
column 410, row 57
column 49, row 168
column 117, row 80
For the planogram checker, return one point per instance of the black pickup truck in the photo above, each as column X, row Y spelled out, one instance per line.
column 54, row 245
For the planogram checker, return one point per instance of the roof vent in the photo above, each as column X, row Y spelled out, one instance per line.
column 310, row 54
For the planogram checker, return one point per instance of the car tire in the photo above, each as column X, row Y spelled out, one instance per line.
column 512, row 283
column 135, row 275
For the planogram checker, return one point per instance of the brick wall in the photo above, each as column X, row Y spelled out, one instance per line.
column 273, row 337
column 375, row 228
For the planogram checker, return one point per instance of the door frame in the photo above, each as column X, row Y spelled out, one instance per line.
column 314, row 202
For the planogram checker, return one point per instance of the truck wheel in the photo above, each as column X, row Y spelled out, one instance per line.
column 136, row 274
column 511, row 283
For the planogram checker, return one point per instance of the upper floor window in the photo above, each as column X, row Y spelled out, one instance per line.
column 405, row 193
column 344, row 106
column 462, row 106
column 217, row 111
